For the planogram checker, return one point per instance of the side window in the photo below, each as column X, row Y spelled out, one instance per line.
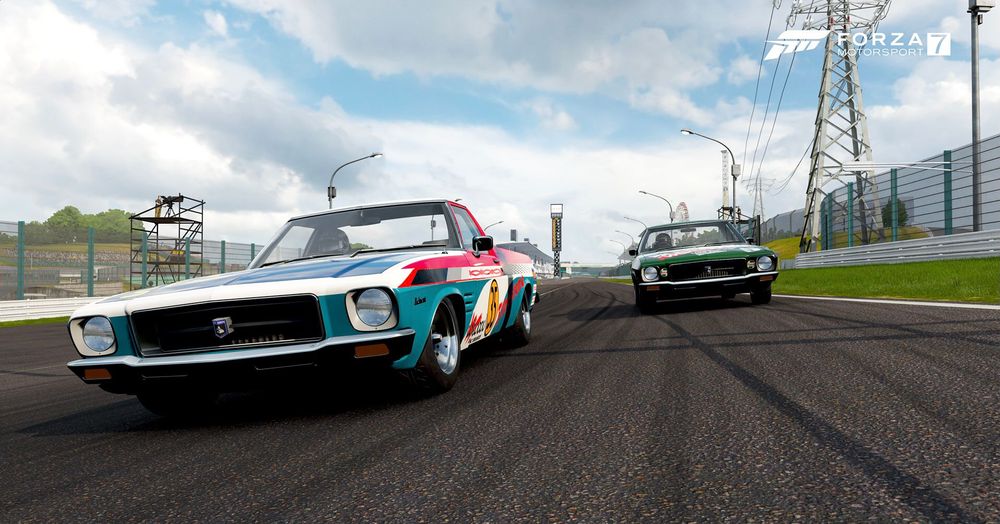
column 466, row 226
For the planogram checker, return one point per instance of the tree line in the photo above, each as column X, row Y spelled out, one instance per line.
column 69, row 225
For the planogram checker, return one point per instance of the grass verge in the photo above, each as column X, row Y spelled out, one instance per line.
column 975, row 280
column 34, row 322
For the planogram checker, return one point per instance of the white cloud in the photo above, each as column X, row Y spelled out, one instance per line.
column 100, row 124
column 622, row 50
column 124, row 12
column 550, row 116
column 742, row 69
column 216, row 21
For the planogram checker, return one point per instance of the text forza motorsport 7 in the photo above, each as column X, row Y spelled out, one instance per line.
column 699, row 259
column 406, row 285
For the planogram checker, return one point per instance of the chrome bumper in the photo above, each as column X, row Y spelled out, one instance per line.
column 237, row 355
column 723, row 280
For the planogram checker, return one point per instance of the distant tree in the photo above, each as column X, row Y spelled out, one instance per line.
column 110, row 226
column 36, row 233
column 902, row 217
column 70, row 225
column 66, row 225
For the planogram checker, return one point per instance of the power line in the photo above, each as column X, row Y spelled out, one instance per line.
column 774, row 122
column 784, row 183
column 760, row 67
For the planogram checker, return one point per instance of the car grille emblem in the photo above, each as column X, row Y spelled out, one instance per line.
column 223, row 327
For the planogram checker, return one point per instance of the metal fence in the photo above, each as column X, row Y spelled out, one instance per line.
column 932, row 200
column 979, row 244
column 30, row 268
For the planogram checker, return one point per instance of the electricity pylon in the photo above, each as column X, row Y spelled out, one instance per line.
column 841, row 133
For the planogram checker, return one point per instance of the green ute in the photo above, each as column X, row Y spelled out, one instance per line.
column 699, row 259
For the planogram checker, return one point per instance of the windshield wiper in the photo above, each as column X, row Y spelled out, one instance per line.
column 397, row 248
column 721, row 243
column 287, row 260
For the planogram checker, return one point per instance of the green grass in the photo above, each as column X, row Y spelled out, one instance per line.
column 788, row 248
column 975, row 280
column 34, row 322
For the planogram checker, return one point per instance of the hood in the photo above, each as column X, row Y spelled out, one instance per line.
column 369, row 264
column 701, row 254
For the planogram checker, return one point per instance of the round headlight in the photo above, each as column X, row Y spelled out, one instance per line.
column 98, row 335
column 650, row 274
column 374, row 307
column 765, row 263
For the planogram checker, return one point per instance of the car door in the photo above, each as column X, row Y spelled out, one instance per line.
column 489, row 307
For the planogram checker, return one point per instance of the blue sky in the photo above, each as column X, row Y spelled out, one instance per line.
column 509, row 105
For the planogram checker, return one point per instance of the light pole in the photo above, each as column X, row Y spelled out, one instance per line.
column 624, row 247
column 644, row 226
column 491, row 225
column 663, row 199
column 632, row 238
column 976, row 9
column 331, row 192
column 736, row 167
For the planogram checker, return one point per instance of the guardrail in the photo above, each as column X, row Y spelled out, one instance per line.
column 980, row 244
column 41, row 308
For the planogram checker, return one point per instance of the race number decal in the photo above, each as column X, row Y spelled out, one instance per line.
column 493, row 306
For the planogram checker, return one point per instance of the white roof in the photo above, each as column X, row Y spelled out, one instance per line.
column 374, row 204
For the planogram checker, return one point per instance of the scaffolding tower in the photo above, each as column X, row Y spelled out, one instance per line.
column 167, row 242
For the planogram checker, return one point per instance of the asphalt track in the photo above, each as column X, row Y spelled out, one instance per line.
column 706, row 411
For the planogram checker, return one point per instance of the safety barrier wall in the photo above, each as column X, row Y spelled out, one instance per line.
column 980, row 244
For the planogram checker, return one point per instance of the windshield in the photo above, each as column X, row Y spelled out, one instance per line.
column 348, row 232
column 687, row 236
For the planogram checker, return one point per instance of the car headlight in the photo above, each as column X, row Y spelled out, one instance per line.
column 374, row 307
column 650, row 274
column 98, row 335
column 765, row 263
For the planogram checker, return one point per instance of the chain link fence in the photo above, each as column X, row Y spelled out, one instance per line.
column 33, row 267
column 931, row 199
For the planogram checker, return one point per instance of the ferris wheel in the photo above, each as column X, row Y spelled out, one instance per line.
column 681, row 214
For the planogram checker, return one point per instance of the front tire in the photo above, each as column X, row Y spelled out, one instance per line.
column 761, row 295
column 646, row 302
column 437, row 368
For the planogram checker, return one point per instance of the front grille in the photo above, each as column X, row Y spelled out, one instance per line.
column 708, row 269
column 247, row 323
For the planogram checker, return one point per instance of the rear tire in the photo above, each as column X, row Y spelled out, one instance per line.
column 437, row 368
column 178, row 403
column 761, row 295
column 519, row 334
column 644, row 301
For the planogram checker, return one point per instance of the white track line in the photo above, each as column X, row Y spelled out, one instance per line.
column 898, row 302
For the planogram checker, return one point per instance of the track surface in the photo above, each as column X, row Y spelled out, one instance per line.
column 709, row 410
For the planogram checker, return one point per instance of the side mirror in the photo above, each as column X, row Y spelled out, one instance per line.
column 484, row 243
column 750, row 241
column 632, row 252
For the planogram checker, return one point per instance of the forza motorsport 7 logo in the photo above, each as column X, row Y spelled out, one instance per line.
column 492, row 307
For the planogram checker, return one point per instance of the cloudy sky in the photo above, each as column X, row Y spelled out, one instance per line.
column 509, row 105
